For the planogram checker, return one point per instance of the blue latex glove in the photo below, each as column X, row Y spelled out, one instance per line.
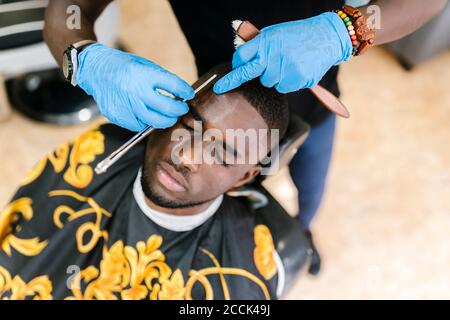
column 124, row 87
column 290, row 56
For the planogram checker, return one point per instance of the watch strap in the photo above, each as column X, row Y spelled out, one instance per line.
column 80, row 45
column 72, row 55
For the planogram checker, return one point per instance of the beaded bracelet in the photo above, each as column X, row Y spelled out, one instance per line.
column 361, row 35
column 349, row 24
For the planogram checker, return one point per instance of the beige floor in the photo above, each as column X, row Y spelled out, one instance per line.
column 384, row 228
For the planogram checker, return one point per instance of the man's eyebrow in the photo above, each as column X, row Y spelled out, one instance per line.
column 197, row 116
column 228, row 148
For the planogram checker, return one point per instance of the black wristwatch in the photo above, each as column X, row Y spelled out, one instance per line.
column 70, row 60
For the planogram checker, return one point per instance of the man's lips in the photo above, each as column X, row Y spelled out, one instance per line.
column 170, row 178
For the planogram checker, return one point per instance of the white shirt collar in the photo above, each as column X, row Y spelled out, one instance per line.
column 172, row 222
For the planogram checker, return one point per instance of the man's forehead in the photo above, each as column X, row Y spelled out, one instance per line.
column 228, row 111
column 236, row 119
column 217, row 107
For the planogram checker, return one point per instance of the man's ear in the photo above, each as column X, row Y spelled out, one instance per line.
column 248, row 176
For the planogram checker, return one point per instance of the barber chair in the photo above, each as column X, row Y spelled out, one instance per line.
column 34, row 84
column 291, row 242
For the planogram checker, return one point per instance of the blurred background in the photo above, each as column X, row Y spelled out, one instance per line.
column 384, row 226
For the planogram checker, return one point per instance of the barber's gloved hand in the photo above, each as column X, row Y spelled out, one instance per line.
column 124, row 87
column 290, row 56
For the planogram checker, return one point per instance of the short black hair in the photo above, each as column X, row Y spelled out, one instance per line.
column 270, row 104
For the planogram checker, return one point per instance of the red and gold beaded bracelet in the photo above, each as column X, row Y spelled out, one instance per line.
column 362, row 36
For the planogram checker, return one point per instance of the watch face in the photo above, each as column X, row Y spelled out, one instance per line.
column 65, row 66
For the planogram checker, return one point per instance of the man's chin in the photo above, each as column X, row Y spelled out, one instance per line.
column 163, row 198
column 164, row 201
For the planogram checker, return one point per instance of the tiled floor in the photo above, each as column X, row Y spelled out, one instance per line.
column 384, row 228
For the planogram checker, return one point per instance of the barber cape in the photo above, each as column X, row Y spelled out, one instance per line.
column 71, row 234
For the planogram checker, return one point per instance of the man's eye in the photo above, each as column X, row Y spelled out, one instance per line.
column 221, row 161
column 191, row 125
column 184, row 124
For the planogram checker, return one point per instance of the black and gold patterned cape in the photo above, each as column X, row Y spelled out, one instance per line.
column 69, row 234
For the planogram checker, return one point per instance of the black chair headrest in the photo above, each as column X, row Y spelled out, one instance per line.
column 297, row 132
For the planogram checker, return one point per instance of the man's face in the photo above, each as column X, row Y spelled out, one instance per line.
column 177, row 179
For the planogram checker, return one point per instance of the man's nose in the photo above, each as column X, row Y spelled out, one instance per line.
column 190, row 158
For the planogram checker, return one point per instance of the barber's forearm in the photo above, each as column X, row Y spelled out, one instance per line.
column 402, row 17
column 56, row 33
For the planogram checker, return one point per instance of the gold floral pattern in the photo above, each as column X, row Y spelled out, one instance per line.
column 59, row 158
column 40, row 288
column 142, row 273
column 226, row 292
column 129, row 273
column 201, row 276
column 84, row 151
column 79, row 174
column 171, row 289
column 10, row 215
column 94, row 228
column 263, row 253
column 34, row 173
